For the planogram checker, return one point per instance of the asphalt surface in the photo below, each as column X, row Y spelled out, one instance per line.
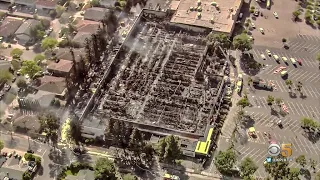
column 301, row 48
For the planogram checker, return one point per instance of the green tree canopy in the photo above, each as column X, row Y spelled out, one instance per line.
column 242, row 42
column 5, row 76
column 49, row 43
column 317, row 177
column 136, row 142
column 243, row 102
column 301, row 160
column 247, row 167
column 225, row 161
column 318, row 57
column 1, row 145
column 30, row 68
column 270, row 100
column 220, row 38
column 169, row 149
column 16, row 53
column 104, row 169
column 277, row 170
column 21, row 83
column 129, row 177
column 95, row 3
column 26, row 176
column 39, row 57
column 296, row 14
column 294, row 174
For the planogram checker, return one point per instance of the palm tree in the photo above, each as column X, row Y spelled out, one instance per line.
column 94, row 40
column 88, row 49
column 270, row 100
column 278, row 101
column 289, row 83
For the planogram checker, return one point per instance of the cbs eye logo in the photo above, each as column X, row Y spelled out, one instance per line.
column 275, row 150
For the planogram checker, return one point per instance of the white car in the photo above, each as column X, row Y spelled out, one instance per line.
column 253, row 25
column 263, row 56
column 51, row 29
column 261, row 30
column 268, row 52
column 275, row 15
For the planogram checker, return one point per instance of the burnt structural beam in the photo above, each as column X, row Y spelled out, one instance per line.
column 155, row 82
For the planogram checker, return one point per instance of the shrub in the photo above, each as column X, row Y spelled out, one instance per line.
column 284, row 40
column 252, row 7
column 45, row 23
column 251, row 10
column 37, row 159
column 26, row 176
column 28, row 157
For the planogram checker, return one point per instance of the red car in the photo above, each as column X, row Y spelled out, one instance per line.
column 300, row 62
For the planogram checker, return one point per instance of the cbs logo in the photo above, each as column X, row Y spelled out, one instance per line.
column 285, row 150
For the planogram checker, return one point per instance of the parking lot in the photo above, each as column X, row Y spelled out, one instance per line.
column 276, row 29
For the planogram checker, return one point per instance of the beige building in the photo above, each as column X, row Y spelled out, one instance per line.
column 219, row 15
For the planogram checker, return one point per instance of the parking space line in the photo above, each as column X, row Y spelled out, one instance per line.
column 302, row 145
column 314, row 112
column 306, row 111
column 316, row 79
column 312, row 94
column 315, row 91
column 279, row 87
column 271, row 70
column 264, row 119
column 292, row 107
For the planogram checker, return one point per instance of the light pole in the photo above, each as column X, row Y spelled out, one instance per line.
column 11, row 130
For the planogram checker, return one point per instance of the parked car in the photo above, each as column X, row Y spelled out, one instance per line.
column 30, row 151
column 268, row 52
column 253, row 25
column 293, row 61
column 9, row 155
column 276, row 57
column 7, row 87
column 256, row 13
column 263, row 56
column 285, row 59
column 240, row 15
column 275, row 15
column 13, row 79
column 261, row 30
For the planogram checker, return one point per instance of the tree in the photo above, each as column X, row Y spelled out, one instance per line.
column 277, row 170
column 104, row 169
column 301, row 160
column 38, row 58
column 129, row 177
column 30, row 68
column 50, row 124
column 278, row 101
column 1, row 145
column 242, row 42
column 220, row 38
column 318, row 57
column 95, row 3
column 243, row 102
column 296, row 14
column 270, row 100
column 59, row 10
column 168, row 149
column 317, row 177
column 313, row 164
column 136, row 142
column 21, row 83
column 45, row 23
column 294, row 174
column 284, row 40
column 49, row 43
column 247, row 167
column 26, row 176
column 225, row 160
column 5, row 76
column 249, row 79
column 289, row 83
column 16, row 53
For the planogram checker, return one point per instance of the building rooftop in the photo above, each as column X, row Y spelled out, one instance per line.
column 61, row 66
column 47, row 3
column 217, row 15
column 87, row 26
column 26, row 26
column 10, row 25
column 95, row 13
column 52, row 84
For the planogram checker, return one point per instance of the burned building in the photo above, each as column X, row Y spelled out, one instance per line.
column 160, row 81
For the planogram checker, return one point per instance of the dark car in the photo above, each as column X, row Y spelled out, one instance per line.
column 30, row 151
